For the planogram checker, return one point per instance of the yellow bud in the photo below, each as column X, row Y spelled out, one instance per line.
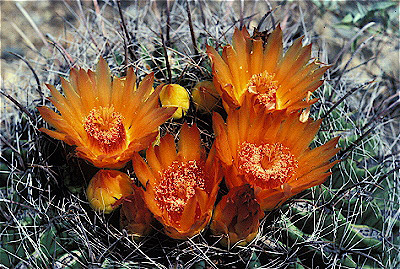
column 174, row 95
column 106, row 188
column 205, row 96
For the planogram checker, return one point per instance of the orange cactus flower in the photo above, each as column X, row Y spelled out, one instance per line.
column 237, row 216
column 135, row 217
column 107, row 119
column 270, row 151
column 106, row 188
column 181, row 187
column 280, row 81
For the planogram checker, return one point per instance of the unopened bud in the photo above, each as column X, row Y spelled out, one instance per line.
column 237, row 216
column 106, row 188
column 174, row 95
column 135, row 217
column 205, row 96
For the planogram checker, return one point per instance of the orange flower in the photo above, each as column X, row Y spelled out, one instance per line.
column 237, row 216
column 135, row 217
column 270, row 151
column 107, row 119
column 280, row 81
column 181, row 187
column 106, row 188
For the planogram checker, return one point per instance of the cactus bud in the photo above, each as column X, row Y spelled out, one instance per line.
column 174, row 95
column 205, row 96
column 106, row 188
column 135, row 217
column 237, row 216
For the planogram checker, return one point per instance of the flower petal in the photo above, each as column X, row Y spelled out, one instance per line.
column 189, row 145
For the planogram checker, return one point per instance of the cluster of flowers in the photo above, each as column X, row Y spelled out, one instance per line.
column 261, row 149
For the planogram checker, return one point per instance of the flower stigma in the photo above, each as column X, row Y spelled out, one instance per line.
column 266, row 165
column 265, row 87
column 105, row 129
column 177, row 185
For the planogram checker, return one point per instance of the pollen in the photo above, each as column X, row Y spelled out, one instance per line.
column 266, row 165
column 105, row 129
column 265, row 87
column 177, row 185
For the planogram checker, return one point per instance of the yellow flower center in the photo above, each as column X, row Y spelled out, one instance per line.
column 266, row 165
column 105, row 129
column 265, row 87
column 177, row 185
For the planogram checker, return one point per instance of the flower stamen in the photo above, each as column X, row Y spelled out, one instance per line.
column 265, row 87
column 266, row 165
column 105, row 129
column 178, row 184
